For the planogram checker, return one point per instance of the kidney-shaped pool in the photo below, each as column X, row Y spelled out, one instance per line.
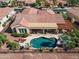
column 43, row 42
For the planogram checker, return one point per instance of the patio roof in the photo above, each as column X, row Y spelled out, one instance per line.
column 42, row 25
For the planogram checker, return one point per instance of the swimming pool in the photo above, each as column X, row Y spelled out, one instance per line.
column 43, row 42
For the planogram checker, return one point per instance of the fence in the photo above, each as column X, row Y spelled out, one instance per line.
column 60, row 50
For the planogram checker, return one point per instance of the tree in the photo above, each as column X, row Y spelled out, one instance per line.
column 69, row 42
column 73, row 2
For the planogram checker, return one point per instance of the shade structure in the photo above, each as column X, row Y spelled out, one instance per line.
column 42, row 25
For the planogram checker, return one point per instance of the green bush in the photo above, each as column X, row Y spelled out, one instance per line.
column 13, row 45
column 24, row 35
column 65, row 15
column 15, row 34
column 3, row 4
column 76, row 32
column 37, row 5
column 68, row 41
column 20, row 35
column 3, row 38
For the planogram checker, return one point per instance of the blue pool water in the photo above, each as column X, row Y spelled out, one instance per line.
column 43, row 42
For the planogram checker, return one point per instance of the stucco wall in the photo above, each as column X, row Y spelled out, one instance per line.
column 20, row 27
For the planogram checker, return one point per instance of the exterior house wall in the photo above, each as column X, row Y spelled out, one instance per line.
column 17, row 27
column 22, row 28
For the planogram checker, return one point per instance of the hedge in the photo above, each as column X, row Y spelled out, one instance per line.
column 20, row 35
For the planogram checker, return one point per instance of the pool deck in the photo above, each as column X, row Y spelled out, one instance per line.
column 32, row 36
column 29, row 38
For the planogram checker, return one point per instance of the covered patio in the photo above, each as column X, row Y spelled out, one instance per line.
column 43, row 28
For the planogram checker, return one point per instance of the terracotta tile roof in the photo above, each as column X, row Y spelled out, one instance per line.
column 2, row 0
column 30, row 11
column 41, row 16
column 74, row 11
column 5, row 11
column 50, row 1
column 68, row 25
column 63, row 1
column 37, row 16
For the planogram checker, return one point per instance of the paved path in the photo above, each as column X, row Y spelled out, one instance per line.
column 40, row 56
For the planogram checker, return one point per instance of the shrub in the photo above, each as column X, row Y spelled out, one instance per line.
column 68, row 41
column 71, row 45
column 3, row 38
column 15, row 34
column 65, row 15
column 13, row 45
column 76, row 32
column 37, row 5
column 20, row 35
column 24, row 35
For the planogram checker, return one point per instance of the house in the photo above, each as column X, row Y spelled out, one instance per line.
column 2, row 1
column 56, row 2
column 62, row 1
column 5, row 14
column 74, row 14
column 33, row 20
column 20, row 2
column 26, row 1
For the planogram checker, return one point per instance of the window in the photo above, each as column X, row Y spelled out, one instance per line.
column 22, row 30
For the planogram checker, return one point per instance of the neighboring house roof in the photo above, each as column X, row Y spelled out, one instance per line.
column 30, row 11
column 34, row 16
column 28, row 1
column 50, row 1
column 63, row 1
column 2, row 0
column 5, row 11
column 57, row 1
column 74, row 11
